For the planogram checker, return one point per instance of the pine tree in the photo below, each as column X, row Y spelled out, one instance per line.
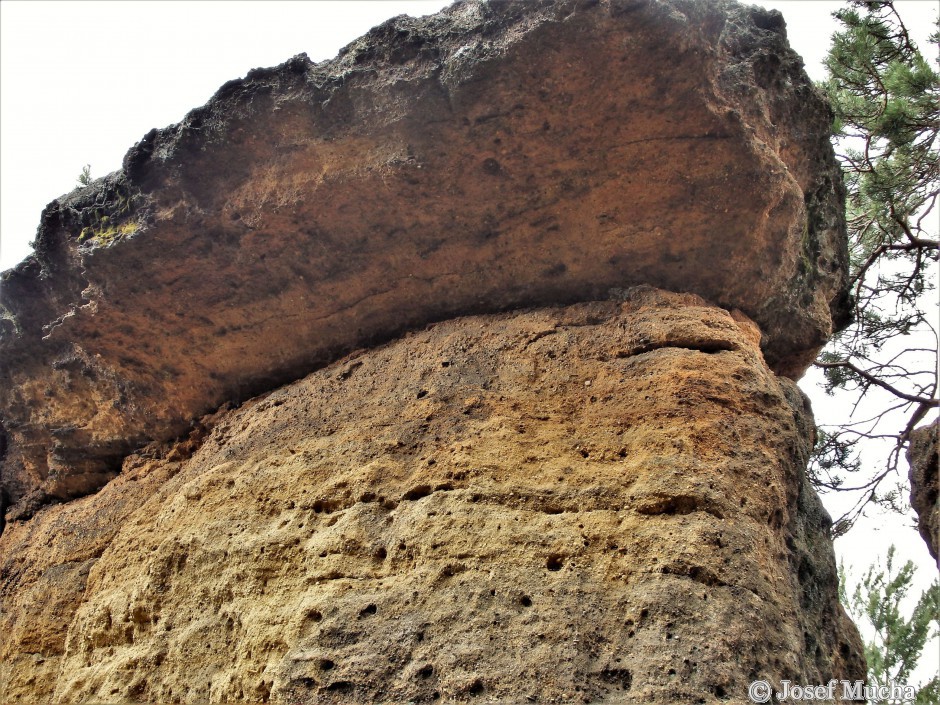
column 899, row 640
column 886, row 99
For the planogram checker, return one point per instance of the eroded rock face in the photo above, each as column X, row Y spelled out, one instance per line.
column 923, row 455
column 489, row 157
column 605, row 501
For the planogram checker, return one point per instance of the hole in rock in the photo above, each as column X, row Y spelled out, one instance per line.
column 618, row 676
column 340, row 687
column 417, row 493
column 491, row 166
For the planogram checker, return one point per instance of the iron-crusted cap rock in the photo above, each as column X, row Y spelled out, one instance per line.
column 489, row 157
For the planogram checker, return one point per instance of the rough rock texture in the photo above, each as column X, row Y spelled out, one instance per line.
column 492, row 156
column 923, row 455
column 601, row 502
column 570, row 502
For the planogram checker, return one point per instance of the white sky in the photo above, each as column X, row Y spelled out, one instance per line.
column 81, row 82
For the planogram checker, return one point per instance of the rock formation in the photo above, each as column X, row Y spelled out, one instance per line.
column 478, row 160
column 923, row 456
column 605, row 499
column 614, row 231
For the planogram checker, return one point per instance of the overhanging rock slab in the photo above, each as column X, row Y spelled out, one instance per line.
column 485, row 158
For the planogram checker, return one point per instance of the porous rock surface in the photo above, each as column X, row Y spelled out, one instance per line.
column 604, row 502
column 489, row 157
column 923, row 456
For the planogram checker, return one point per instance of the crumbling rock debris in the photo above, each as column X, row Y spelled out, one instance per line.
column 923, row 457
column 605, row 502
column 493, row 156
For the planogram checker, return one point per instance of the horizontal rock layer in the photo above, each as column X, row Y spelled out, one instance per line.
column 489, row 157
column 598, row 502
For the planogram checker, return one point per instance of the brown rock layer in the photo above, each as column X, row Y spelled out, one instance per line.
column 604, row 502
column 489, row 157
column 923, row 455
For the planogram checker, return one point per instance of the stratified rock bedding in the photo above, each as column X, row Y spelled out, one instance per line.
column 597, row 503
column 489, row 157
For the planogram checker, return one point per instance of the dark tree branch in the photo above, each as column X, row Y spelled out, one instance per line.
column 871, row 379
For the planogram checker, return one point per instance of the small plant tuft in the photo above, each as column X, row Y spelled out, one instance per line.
column 85, row 177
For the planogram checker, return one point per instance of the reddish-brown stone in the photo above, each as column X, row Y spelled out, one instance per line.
column 489, row 157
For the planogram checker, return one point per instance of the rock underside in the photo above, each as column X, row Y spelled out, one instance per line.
column 923, row 455
column 602, row 502
column 457, row 368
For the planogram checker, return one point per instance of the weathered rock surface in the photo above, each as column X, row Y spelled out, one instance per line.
column 601, row 502
column 594, row 501
column 492, row 156
column 923, row 455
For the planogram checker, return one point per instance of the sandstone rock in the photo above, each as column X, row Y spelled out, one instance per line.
column 44, row 567
column 489, row 157
column 922, row 455
column 571, row 502
column 601, row 502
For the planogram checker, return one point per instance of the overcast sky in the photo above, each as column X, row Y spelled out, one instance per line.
column 80, row 82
